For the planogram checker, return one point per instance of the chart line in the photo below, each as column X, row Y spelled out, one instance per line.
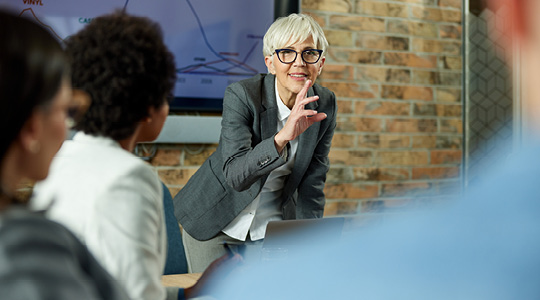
column 234, row 64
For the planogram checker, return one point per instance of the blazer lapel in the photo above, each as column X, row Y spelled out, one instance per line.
column 268, row 115
column 306, row 145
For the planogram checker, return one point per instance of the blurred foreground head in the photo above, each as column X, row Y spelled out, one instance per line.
column 35, row 93
column 519, row 21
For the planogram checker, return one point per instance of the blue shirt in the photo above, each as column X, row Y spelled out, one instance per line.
column 485, row 245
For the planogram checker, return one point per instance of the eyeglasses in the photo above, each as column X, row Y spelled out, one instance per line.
column 309, row 56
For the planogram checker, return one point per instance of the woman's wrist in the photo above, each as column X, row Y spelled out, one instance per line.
column 280, row 143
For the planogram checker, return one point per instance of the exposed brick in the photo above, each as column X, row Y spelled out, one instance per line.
column 378, row 42
column 452, row 62
column 339, row 174
column 381, row 9
column 449, row 110
column 402, row 158
column 435, row 172
column 424, row 141
column 350, row 157
column 439, row 157
column 352, row 89
column 412, row 28
column 440, row 78
column 382, row 108
column 339, row 38
column 450, row 31
column 319, row 18
column 425, row 77
column 427, row 2
column 351, row 191
column 450, row 78
column 335, row 208
column 383, row 141
column 332, row 71
column 411, row 125
column 436, row 141
column 436, row 46
column 452, row 125
column 343, row 140
column 449, row 142
column 357, row 23
column 166, row 157
column 361, row 124
column 386, row 205
column 407, row 92
column 421, row 109
column 197, row 158
column 328, row 5
column 406, row 189
column 381, row 74
column 448, row 94
column 176, row 176
column 380, row 174
column 441, row 110
column 450, row 3
column 174, row 191
column 436, row 14
column 410, row 60
column 345, row 107
column 355, row 56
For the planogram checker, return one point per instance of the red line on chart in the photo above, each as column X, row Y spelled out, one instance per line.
column 39, row 21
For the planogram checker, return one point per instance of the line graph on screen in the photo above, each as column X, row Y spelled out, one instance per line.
column 225, row 63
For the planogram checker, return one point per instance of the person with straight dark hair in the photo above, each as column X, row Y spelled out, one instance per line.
column 39, row 259
column 108, row 197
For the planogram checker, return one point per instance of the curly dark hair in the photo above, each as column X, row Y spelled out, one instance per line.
column 123, row 63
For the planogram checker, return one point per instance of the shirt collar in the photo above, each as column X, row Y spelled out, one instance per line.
column 283, row 110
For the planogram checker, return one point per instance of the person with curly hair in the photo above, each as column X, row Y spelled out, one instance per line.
column 40, row 259
column 111, row 199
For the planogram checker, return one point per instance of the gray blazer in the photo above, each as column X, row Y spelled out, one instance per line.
column 233, row 176
column 40, row 259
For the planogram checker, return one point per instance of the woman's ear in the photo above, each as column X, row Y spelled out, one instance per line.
column 30, row 134
column 321, row 65
column 270, row 64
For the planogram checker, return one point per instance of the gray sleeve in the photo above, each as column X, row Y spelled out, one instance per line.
column 244, row 163
column 40, row 259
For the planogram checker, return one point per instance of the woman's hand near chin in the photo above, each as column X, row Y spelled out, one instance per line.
column 299, row 120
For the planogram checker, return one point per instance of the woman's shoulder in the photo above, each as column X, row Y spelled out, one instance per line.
column 323, row 92
column 20, row 226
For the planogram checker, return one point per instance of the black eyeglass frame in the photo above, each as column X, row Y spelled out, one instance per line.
column 301, row 55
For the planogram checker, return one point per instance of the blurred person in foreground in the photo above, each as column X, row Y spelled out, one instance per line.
column 272, row 158
column 484, row 245
column 39, row 259
column 108, row 197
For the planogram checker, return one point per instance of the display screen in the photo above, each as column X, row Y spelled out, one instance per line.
column 215, row 42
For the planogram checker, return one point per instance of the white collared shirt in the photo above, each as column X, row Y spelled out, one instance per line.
column 266, row 206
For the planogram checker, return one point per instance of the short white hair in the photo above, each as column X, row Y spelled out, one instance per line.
column 294, row 28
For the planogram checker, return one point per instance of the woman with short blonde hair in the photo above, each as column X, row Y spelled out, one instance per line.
column 272, row 158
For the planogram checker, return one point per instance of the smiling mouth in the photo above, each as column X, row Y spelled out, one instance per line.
column 298, row 75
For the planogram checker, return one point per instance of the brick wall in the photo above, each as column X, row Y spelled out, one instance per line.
column 395, row 67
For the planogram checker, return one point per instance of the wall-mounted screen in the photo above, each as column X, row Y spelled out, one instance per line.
column 215, row 42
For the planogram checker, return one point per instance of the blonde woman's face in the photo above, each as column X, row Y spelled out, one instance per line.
column 291, row 77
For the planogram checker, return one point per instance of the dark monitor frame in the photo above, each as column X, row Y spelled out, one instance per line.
column 190, row 104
